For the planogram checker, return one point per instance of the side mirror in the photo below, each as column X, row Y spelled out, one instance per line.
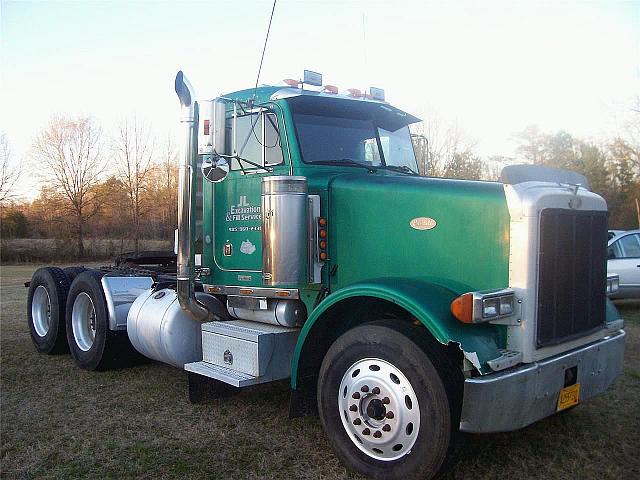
column 214, row 168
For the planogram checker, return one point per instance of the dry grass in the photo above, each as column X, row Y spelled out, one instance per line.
column 61, row 422
column 45, row 250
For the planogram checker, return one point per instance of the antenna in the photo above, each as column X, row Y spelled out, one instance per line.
column 364, row 44
column 264, row 49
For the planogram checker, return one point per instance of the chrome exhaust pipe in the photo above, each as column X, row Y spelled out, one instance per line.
column 186, row 224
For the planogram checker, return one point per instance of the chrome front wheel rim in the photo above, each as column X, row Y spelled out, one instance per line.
column 379, row 409
column 41, row 310
column 83, row 321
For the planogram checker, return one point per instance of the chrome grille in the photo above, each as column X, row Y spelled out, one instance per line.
column 572, row 271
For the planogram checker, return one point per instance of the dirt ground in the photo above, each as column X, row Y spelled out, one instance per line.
column 58, row 421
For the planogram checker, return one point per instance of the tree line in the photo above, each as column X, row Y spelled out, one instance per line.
column 612, row 166
column 118, row 187
column 124, row 186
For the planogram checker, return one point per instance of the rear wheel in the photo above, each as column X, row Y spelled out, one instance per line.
column 46, row 301
column 93, row 346
column 384, row 405
column 73, row 272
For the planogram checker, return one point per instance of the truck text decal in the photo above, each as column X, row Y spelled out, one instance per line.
column 243, row 211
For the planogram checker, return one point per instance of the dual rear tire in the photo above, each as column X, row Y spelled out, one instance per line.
column 67, row 312
column 92, row 345
column 46, row 310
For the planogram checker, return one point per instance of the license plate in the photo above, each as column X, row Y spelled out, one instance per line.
column 569, row 396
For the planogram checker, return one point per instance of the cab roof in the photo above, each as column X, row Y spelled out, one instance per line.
column 264, row 94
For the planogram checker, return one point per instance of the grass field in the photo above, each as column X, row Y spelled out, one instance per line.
column 58, row 421
column 47, row 250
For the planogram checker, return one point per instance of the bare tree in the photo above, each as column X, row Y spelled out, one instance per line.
column 631, row 134
column 9, row 174
column 169, row 163
column 68, row 155
column 532, row 145
column 170, row 188
column 133, row 147
column 439, row 143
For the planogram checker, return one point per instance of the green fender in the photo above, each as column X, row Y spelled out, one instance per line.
column 427, row 302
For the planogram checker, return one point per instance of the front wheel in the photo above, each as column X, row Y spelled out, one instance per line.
column 384, row 405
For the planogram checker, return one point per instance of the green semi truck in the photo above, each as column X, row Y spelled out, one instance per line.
column 403, row 309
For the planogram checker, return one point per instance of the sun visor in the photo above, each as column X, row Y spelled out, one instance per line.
column 385, row 116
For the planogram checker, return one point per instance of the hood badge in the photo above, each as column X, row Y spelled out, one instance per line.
column 423, row 223
column 575, row 202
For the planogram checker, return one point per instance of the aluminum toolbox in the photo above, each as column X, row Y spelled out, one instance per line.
column 252, row 348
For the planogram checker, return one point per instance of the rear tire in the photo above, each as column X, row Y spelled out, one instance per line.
column 46, row 304
column 93, row 346
column 73, row 272
column 383, row 404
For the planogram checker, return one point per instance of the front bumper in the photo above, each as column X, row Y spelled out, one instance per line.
column 517, row 397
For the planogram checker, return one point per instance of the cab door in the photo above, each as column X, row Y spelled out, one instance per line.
column 254, row 141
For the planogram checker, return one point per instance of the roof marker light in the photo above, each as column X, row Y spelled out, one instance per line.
column 291, row 82
column 354, row 92
column 330, row 89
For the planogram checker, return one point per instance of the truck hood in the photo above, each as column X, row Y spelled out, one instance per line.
column 449, row 232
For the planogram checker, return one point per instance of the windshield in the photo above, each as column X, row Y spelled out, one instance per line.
column 365, row 135
column 333, row 138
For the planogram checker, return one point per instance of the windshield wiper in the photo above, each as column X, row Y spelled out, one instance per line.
column 347, row 161
column 400, row 168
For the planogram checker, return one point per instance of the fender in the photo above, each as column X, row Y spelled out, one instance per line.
column 427, row 302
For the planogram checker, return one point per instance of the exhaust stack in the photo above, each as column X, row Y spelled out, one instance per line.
column 186, row 224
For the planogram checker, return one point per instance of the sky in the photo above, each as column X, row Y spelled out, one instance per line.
column 494, row 67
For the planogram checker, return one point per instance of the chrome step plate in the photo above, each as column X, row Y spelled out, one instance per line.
column 225, row 375
column 507, row 359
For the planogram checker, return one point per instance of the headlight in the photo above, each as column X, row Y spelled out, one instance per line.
column 507, row 305
column 477, row 307
column 490, row 307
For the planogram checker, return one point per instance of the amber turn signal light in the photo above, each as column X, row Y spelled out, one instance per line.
column 322, row 222
column 462, row 308
column 322, row 233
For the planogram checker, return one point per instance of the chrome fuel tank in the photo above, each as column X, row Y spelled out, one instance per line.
column 159, row 329
column 284, row 230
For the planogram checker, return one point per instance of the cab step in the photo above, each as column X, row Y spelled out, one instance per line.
column 243, row 353
column 507, row 359
column 226, row 375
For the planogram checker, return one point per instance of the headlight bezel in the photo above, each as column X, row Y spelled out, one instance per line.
column 484, row 306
